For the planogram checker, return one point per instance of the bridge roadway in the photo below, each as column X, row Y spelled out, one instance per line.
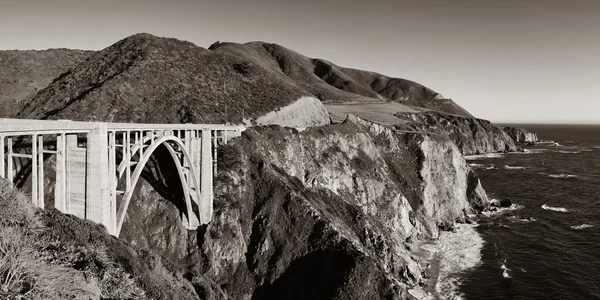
column 93, row 159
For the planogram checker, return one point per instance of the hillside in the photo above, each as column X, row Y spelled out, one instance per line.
column 334, row 84
column 49, row 255
column 24, row 73
column 144, row 78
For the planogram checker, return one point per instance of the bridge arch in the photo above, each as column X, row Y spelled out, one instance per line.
column 192, row 178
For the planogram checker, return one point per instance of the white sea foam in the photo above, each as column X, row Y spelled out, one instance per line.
column 582, row 226
column 530, row 151
column 457, row 251
column 501, row 210
column 559, row 209
column 568, row 152
column 513, row 167
column 492, row 167
column 474, row 165
column 505, row 271
column 562, row 175
column 482, row 156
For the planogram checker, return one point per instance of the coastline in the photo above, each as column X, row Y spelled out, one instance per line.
column 447, row 258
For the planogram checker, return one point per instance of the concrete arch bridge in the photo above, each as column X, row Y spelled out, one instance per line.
column 97, row 165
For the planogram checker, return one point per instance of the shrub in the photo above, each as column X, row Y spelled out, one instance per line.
column 229, row 156
column 243, row 68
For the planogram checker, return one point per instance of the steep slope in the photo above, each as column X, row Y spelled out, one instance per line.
column 49, row 255
column 144, row 78
column 335, row 84
column 24, row 73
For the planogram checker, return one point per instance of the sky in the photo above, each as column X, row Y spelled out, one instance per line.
column 528, row 61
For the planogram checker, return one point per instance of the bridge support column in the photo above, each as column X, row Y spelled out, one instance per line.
column 98, row 206
column 206, row 178
column 75, row 177
column 60, row 186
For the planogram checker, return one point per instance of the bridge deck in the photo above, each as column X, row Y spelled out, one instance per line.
column 25, row 125
column 87, row 174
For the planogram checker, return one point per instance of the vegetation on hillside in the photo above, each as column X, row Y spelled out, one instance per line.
column 25, row 72
column 334, row 84
column 148, row 79
column 50, row 255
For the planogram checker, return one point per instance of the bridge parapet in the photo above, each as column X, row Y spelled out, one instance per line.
column 94, row 162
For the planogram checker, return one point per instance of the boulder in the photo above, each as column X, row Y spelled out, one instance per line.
column 506, row 202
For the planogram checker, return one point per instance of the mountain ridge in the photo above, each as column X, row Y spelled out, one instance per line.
column 144, row 75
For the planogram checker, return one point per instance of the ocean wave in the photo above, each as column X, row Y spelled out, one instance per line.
column 513, row 167
column 562, row 175
column 457, row 252
column 559, row 209
column 568, row 152
column 475, row 165
column 522, row 219
column 582, row 226
column 483, row 156
column 530, row 151
column 492, row 167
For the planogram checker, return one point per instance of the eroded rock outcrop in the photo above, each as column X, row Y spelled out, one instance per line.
column 304, row 112
column 520, row 135
column 471, row 135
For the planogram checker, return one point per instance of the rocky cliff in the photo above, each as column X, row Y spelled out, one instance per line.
column 520, row 135
column 471, row 135
column 316, row 214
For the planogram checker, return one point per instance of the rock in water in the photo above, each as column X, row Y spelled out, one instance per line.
column 506, row 202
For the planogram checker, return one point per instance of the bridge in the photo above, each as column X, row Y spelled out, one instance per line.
column 97, row 165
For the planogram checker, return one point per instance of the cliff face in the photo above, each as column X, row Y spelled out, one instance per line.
column 316, row 214
column 520, row 135
column 471, row 135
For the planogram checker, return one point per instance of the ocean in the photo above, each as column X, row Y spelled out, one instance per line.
column 547, row 245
